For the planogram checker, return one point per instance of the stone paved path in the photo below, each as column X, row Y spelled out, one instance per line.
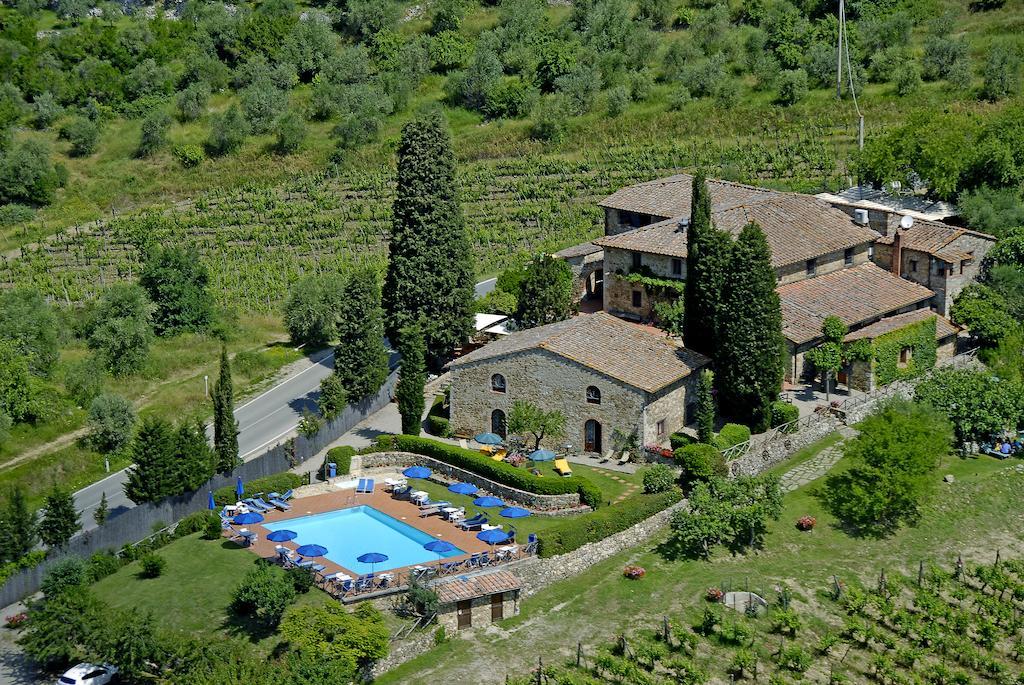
column 817, row 466
column 630, row 488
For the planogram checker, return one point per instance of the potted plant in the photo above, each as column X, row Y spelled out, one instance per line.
column 806, row 523
column 634, row 572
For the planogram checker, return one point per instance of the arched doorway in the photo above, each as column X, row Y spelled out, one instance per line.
column 592, row 436
column 498, row 422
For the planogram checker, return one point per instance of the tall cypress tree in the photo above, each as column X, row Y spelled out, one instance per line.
column 411, row 379
column 430, row 271
column 705, row 407
column 153, row 475
column 196, row 461
column 749, row 353
column 225, row 427
column 60, row 521
column 707, row 259
column 19, row 526
column 360, row 360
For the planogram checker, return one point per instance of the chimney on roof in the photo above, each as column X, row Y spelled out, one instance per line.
column 683, row 224
column 897, row 256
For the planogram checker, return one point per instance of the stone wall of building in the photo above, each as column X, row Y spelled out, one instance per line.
column 480, row 612
column 550, row 382
column 587, row 271
column 669, row 407
column 549, row 503
column 827, row 263
column 618, row 292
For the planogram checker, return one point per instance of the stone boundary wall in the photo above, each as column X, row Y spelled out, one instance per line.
column 400, row 651
column 530, row 500
column 777, row 451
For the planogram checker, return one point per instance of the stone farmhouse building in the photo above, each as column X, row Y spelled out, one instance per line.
column 607, row 376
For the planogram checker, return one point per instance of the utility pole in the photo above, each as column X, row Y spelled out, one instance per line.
column 839, row 50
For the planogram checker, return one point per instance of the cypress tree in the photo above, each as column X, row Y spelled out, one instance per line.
column 153, row 474
column 360, row 360
column 60, row 520
column 196, row 461
column 705, row 407
column 18, row 527
column 749, row 354
column 225, row 427
column 102, row 511
column 707, row 259
column 411, row 379
column 430, row 271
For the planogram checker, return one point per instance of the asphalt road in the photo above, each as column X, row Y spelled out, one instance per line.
column 262, row 422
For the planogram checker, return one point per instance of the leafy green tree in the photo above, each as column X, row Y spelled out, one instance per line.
column 992, row 210
column 46, row 110
column 722, row 510
column 225, row 426
column 1001, row 73
column 84, row 379
column 154, row 471
column 27, row 173
column 749, row 355
column 354, row 637
column 311, row 311
column 132, row 643
column 827, row 357
column 83, row 134
column 412, row 379
column 60, row 518
column 68, row 574
column 228, row 132
column 545, row 293
column 700, row 461
column 310, row 45
column 291, row 132
column 28, row 321
column 177, row 283
column 707, row 261
column 63, row 629
column 792, row 86
column 985, row 314
column 5, row 428
column 154, row 133
column 192, row 101
column 430, row 274
column 360, row 360
column 706, row 407
column 122, row 328
column 978, row 404
column 111, row 422
column 659, row 478
column 19, row 526
column 262, row 104
column 893, row 459
column 19, row 391
column 526, row 417
column 264, row 594
column 706, row 522
column 147, row 78
column 333, row 397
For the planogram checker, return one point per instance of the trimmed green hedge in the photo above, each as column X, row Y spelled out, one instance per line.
column 730, row 435
column 342, row 456
column 678, row 440
column 575, row 532
column 498, row 471
column 276, row 483
column 700, row 462
column 783, row 413
column 437, row 419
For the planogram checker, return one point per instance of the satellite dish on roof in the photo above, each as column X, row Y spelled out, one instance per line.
column 906, row 221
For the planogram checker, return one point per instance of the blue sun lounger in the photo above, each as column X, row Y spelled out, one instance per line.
column 365, row 485
column 280, row 504
column 259, row 501
column 253, row 504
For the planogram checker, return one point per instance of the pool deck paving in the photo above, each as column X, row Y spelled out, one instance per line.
column 346, row 498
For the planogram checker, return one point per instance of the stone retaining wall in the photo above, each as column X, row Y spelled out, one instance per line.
column 530, row 500
column 782, row 448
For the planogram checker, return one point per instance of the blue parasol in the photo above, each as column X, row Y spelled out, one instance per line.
column 282, row 535
column 462, row 488
column 492, row 536
column 488, row 438
column 310, row 550
column 210, row 504
column 239, row 487
column 439, row 547
column 514, row 513
column 245, row 519
column 488, row 501
column 542, row 455
column 372, row 558
column 416, row 472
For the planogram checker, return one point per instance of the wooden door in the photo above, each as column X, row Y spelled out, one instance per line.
column 592, row 436
column 498, row 606
column 464, row 610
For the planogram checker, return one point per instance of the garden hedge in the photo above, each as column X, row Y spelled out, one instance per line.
column 731, row 434
column 437, row 419
column 342, row 457
column 677, row 440
column 575, row 532
column 276, row 483
column 498, row 471
column 783, row 413
column 700, row 462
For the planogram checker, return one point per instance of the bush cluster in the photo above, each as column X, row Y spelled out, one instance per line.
column 783, row 413
column 276, row 483
column 659, row 478
column 731, row 434
column 342, row 457
column 677, row 440
column 574, row 533
column 700, row 462
column 498, row 471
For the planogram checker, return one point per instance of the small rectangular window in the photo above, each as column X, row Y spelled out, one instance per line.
column 963, row 263
column 848, row 256
column 637, row 298
column 661, row 427
column 812, row 266
column 913, row 265
column 871, row 251
column 677, row 267
column 637, row 260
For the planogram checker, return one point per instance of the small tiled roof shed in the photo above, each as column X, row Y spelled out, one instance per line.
column 462, row 588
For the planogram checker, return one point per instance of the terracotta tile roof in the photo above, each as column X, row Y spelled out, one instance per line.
column 669, row 197
column 855, row 295
column 581, row 250
column 798, row 228
column 934, row 238
column 635, row 355
column 943, row 327
column 462, row 588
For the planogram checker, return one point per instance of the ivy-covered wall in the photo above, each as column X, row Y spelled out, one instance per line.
column 919, row 337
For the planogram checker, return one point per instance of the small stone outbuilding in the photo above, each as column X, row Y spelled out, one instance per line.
column 477, row 600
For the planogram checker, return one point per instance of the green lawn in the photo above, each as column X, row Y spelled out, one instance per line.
column 975, row 515
column 805, row 454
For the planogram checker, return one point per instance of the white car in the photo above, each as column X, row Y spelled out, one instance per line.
column 88, row 674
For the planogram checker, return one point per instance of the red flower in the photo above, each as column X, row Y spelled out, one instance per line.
column 16, row 620
column 634, row 572
column 806, row 522
column 714, row 594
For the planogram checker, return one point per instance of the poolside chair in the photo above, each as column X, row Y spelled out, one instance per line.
column 453, row 515
column 485, row 559
column 365, row 486
column 280, row 504
column 473, row 561
column 256, row 506
column 364, row 582
column 449, row 567
column 429, row 511
column 475, row 523
column 345, row 587
column 401, row 492
column 262, row 503
column 435, row 503
column 562, row 467
column 420, row 572
column 531, row 544
column 384, row 581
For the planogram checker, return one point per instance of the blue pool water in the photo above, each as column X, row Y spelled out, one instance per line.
column 351, row 533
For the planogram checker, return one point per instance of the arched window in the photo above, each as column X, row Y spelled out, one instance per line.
column 498, row 383
column 593, row 395
column 498, row 422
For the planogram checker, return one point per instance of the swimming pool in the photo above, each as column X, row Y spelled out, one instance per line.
column 350, row 533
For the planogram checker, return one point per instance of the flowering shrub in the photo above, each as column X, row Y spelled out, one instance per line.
column 634, row 572
column 806, row 522
column 515, row 459
column 15, row 621
column 714, row 594
column 658, row 451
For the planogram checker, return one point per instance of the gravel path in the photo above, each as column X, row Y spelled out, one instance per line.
column 817, row 466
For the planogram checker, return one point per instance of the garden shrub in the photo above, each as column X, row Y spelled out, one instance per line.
column 498, row 471
column 102, row 564
column 574, row 533
column 33, row 558
column 152, row 565
column 437, row 418
column 342, row 456
column 195, row 522
column 301, row 578
column 700, row 462
column 677, row 440
column 783, row 413
column 276, row 483
column 65, row 574
column 189, row 156
column 659, row 478
column 264, row 594
column 731, row 434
